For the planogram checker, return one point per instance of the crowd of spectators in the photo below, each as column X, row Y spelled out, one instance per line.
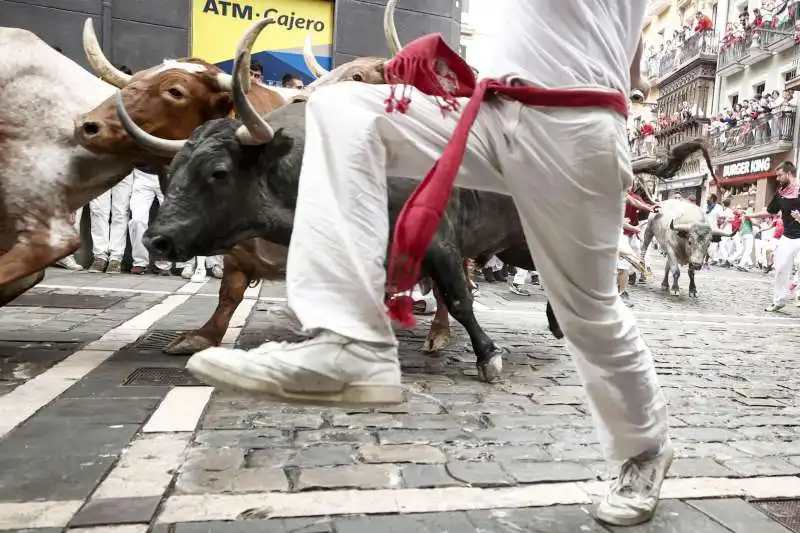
column 763, row 118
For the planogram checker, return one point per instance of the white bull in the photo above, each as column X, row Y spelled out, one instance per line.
column 45, row 175
column 680, row 228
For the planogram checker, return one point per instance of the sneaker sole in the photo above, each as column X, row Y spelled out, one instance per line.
column 354, row 394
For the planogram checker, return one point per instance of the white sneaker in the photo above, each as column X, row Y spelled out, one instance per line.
column 326, row 369
column 70, row 263
column 633, row 497
column 187, row 271
column 199, row 275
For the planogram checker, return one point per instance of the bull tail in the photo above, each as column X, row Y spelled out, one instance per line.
column 635, row 262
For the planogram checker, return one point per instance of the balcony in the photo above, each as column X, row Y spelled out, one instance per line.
column 769, row 133
column 682, row 131
column 754, row 47
column 700, row 46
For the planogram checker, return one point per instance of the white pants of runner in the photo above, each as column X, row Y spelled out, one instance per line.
column 109, row 239
column 520, row 276
column 748, row 242
column 144, row 190
column 736, row 248
column 724, row 250
column 549, row 159
column 785, row 254
column 621, row 263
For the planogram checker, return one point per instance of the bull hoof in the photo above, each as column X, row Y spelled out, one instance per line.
column 491, row 369
column 693, row 294
column 675, row 292
column 188, row 343
column 436, row 340
column 665, row 288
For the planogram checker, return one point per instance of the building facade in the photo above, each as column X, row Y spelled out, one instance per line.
column 753, row 128
column 681, row 39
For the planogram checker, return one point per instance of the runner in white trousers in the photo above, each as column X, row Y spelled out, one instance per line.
column 567, row 169
column 110, row 239
column 786, row 202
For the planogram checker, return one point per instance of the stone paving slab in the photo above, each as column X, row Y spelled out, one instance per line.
column 732, row 394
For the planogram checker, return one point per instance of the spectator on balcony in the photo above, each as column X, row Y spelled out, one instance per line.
column 686, row 111
column 704, row 23
column 758, row 19
column 744, row 19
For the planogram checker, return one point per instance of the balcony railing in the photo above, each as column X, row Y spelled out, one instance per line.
column 665, row 63
column 768, row 128
column 682, row 131
column 758, row 44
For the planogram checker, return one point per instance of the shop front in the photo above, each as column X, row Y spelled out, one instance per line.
column 689, row 188
column 749, row 179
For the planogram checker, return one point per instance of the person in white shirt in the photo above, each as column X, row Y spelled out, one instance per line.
column 549, row 158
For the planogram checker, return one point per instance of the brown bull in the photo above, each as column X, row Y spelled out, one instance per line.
column 168, row 101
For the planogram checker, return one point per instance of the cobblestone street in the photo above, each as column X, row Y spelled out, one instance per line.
column 101, row 431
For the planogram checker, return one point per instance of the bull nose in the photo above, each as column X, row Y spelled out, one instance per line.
column 87, row 128
column 159, row 244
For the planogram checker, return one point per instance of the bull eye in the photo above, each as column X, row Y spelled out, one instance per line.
column 358, row 77
column 219, row 174
column 175, row 93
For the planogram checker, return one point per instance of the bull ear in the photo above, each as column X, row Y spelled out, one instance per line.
column 220, row 105
column 280, row 145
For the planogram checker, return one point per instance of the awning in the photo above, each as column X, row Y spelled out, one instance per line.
column 683, row 183
column 747, row 177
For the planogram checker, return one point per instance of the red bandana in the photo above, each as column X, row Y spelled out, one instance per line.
column 435, row 69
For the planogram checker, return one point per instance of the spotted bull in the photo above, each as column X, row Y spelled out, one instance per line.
column 45, row 176
column 680, row 228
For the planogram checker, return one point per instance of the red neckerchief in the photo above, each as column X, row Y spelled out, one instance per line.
column 436, row 70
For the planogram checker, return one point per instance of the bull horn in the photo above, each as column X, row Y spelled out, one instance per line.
column 98, row 60
column 679, row 227
column 311, row 61
column 720, row 233
column 155, row 144
column 248, row 39
column 390, row 29
column 254, row 129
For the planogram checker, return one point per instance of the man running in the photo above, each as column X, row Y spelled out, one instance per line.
column 564, row 158
column 787, row 203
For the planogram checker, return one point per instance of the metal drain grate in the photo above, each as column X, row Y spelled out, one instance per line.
column 68, row 301
column 161, row 376
column 157, row 339
column 785, row 512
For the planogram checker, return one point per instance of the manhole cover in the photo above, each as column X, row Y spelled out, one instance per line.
column 67, row 301
column 785, row 512
column 160, row 376
column 157, row 339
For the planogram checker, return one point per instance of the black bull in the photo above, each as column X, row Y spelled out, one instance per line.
column 220, row 192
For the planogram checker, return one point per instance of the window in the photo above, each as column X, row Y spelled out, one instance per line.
column 759, row 89
column 734, row 99
column 789, row 74
column 714, row 15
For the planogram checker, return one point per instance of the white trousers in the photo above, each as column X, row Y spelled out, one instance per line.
column 724, row 250
column 550, row 160
column 109, row 239
column 785, row 255
column 145, row 189
column 736, row 248
column 748, row 242
column 520, row 276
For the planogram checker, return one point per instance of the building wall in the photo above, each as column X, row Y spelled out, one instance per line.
column 141, row 33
